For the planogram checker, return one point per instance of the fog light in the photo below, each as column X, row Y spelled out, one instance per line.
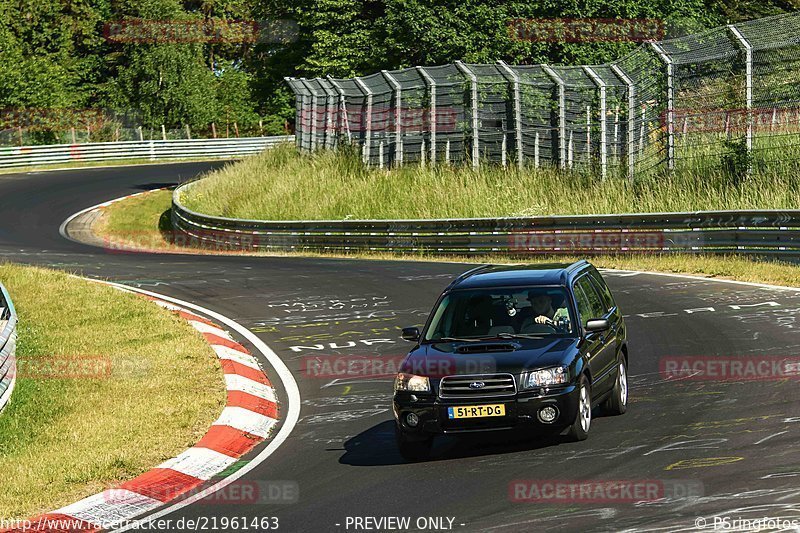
column 548, row 414
column 412, row 420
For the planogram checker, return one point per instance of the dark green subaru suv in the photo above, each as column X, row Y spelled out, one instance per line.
column 511, row 348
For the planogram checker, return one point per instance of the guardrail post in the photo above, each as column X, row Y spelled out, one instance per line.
column 517, row 111
column 601, row 85
column 748, row 56
column 670, row 103
column 631, row 119
column 475, row 121
column 398, row 117
column 431, row 83
column 562, row 113
column 368, row 125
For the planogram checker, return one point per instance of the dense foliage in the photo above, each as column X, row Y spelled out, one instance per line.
column 72, row 54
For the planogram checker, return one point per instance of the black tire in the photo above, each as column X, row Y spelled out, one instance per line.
column 617, row 403
column 579, row 430
column 413, row 449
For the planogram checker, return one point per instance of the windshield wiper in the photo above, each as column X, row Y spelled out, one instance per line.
column 457, row 339
column 519, row 336
column 491, row 337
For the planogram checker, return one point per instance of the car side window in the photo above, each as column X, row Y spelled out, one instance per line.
column 602, row 288
column 584, row 309
column 595, row 307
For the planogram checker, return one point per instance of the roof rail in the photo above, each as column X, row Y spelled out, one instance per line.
column 465, row 275
column 577, row 264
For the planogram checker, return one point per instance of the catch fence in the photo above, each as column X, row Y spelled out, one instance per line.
column 726, row 99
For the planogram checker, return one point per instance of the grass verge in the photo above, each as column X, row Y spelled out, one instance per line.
column 281, row 184
column 135, row 221
column 144, row 386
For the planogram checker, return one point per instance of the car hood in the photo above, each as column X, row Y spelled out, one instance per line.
column 486, row 357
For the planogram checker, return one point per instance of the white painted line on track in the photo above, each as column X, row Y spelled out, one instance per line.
column 246, row 420
column 109, row 506
column 223, row 352
column 235, row 382
column 201, row 463
column 213, row 330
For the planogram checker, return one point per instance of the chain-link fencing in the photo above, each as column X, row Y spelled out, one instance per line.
column 727, row 99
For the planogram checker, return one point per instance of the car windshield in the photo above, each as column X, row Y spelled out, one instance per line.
column 501, row 313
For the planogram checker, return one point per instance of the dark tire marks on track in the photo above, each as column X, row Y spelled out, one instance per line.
column 342, row 452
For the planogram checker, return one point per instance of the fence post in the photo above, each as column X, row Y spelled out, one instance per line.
column 431, row 83
column 670, row 103
column 562, row 114
column 330, row 100
column 475, row 124
column 327, row 133
column 163, row 133
column 311, row 90
column 299, row 128
column 343, row 119
column 601, row 85
column 398, row 117
column 517, row 111
column 748, row 51
column 368, row 133
column 631, row 119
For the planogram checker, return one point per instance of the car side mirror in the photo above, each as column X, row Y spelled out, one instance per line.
column 410, row 334
column 596, row 325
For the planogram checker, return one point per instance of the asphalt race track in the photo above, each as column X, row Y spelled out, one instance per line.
column 734, row 444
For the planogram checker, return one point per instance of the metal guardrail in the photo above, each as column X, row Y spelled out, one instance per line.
column 153, row 150
column 8, row 347
column 752, row 232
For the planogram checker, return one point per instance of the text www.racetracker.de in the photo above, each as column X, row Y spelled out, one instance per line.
column 201, row 523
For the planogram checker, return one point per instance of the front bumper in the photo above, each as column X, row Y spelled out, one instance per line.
column 521, row 412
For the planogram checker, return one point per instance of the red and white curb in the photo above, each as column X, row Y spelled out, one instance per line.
column 247, row 420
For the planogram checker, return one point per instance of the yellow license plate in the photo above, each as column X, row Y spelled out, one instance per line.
column 476, row 411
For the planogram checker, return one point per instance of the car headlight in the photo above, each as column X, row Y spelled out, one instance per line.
column 545, row 377
column 411, row 383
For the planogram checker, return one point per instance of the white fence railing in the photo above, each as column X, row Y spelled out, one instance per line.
column 23, row 156
column 8, row 346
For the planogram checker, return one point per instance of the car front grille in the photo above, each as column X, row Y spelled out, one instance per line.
column 468, row 386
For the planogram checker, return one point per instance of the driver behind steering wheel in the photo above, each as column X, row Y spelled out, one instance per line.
column 543, row 312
